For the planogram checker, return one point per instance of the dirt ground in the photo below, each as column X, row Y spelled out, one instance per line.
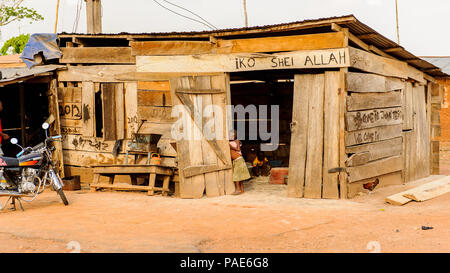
column 261, row 220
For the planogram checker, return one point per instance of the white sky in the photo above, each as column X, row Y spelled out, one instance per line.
column 423, row 24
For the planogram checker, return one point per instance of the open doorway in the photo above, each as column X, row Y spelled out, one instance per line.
column 270, row 93
column 25, row 108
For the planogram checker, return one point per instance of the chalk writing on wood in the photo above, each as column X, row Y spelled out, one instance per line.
column 70, row 131
column 371, row 118
column 70, row 110
column 79, row 143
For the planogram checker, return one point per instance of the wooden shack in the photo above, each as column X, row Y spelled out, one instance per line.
column 355, row 107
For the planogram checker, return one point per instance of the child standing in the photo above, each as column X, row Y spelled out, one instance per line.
column 240, row 171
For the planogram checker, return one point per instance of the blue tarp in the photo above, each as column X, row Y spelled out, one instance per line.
column 44, row 43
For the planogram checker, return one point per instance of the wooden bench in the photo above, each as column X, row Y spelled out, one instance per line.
column 133, row 171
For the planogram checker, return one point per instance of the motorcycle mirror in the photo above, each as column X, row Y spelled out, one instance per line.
column 45, row 126
column 14, row 141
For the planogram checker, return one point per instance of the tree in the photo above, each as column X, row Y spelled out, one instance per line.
column 16, row 43
column 11, row 10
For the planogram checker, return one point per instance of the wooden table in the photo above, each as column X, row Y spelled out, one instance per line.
column 132, row 170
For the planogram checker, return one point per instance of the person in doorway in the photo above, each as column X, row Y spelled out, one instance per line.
column 261, row 165
column 3, row 136
column 240, row 171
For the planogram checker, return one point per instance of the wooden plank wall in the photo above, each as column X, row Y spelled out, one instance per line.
column 387, row 130
column 374, row 126
column 123, row 108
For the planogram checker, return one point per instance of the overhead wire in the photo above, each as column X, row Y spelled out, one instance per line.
column 187, row 17
column 77, row 16
column 191, row 12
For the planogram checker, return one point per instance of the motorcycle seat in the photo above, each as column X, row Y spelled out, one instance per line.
column 9, row 162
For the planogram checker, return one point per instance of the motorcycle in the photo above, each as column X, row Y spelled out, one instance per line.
column 33, row 169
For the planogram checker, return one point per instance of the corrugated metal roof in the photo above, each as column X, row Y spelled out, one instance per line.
column 355, row 26
column 11, row 75
column 441, row 62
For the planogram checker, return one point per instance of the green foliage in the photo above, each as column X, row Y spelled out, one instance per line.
column 17, row 43
column 10, row 11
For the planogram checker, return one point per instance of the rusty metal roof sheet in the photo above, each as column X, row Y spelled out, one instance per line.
column 11, row 75
column 441, row 62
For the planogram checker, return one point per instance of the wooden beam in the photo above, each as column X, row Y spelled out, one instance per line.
column 310, row 59
column 367, row 36
column 94, row 16
column 97, row 55
column 393, row 49
column 94, row 73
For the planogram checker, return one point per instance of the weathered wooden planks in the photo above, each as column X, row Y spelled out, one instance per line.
column 154, row 98
column 420, row 194
column 251, row 45
column 366, row 82
column 94, row 73
column 109, row 111
column 154, row 86
column 400, row 199
column 373, row 118
column 327, row 58
column 87, row 107
column 378, row 150
column 299, row 136
column 155, row 114
column 97, row 55
column 331, row 134
column 375, row 168
column 385, row 180
column 366, row 101
column 314, row 145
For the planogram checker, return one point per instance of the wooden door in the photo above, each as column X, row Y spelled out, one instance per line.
column 315, row 136
column 204, row 161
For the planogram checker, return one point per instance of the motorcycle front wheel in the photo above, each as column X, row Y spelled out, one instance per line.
column 63, row 196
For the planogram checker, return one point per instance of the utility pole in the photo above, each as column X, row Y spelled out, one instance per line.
column 56, row 21
column 245, row 13
column 396, row 15
column 94, row 16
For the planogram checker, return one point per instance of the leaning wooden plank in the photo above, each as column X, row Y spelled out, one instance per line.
column 120, row 111
column 327, row 58
column 372, row 63
column 94, row 73
column 109, row 111
column 358, row 120
column 365, row 82
column 399, row 199
column 132, row 122
column 375, row 168
column 299, row 135
column 331, row 135
column 366, row 101
column 97, row 55
column 422, row 133
column 203, row 169
column 438, row 188
column 314, row 155
column 378, row 150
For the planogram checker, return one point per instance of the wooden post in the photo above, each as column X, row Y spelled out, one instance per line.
column 94, row 16
column 22, row 115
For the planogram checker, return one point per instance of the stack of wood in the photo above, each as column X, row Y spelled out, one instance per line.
column 438, row 187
